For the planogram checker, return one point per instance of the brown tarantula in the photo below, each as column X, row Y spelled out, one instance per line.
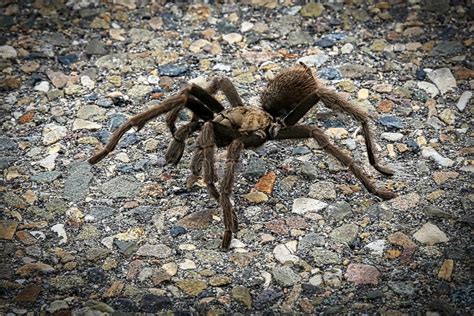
column 285, row 101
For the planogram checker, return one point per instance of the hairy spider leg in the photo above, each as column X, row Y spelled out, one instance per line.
column 336, row 102
column 299, row 131
column 204, row 97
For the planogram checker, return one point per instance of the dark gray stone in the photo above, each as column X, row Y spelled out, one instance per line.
column 46, row 177
column 7, row 144
column 447, row 48
column 95, row 47
column 76, row 185
column 121, row 187
column 171, row 70
column 101, row 211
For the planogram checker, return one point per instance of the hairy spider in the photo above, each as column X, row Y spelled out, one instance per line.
column 285, row 101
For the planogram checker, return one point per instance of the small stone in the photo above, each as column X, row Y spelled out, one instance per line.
column 49, row 161
column 345, row 234
column 325, row 42
column 157, row 251
column 376, row 247
column 363, row 94
column 220, row 281
column 53, row 133
column 7, row 229
column 447, row 48
column 43, row 86
column 7, row 52
column 171, row 70
column 232, row 38
column 314, row 60
column 79, row 124
column 339, row 210
column 329, row 73
column 447, row 116
column 242, row 295
column 405, row 202
column 463, row 100
column 61, row 232
column 121, row 187
column 429, row 88
column 304, row 205
column 430, row 234
column 391, row 122
column 187, row 265
column 378, row 45
column 441, row 177
column 30, row 268
column 347, row 48
column 192, row 287
column 446, row 270
column 403, row 288
column 256, row 197
column 336, row 132
column 429, row 152
column 393, row 137
column 29, row 293
column 383, row 88
column 283, row 254
column 95, row 47
column 322, row 256
column 362, row 274
column 323, row 190
column 285, row 276
column 443, row 79
column 312, row 10
column 333, row 277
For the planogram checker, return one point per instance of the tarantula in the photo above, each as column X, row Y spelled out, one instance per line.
column 284, row 102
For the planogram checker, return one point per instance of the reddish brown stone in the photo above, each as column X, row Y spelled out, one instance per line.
column 7, row 229
column 297, row 222
column 463, row 73
column 29, row 293
column 27, row 117
column 26, row 238
column 265, row 184
column 277, row 226
column 114, row 290
column 385, row 106
column 362, row 274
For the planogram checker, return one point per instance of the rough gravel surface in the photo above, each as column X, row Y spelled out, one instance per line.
column 126, row 235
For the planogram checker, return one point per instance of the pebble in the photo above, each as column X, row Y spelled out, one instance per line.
column 285, row 276
column 157, row 251
column 303, row 205
column 242, row 295
column 323, row 256
column 121, row 187
column 430, row 234
column 52, row 133
column 172, row 70
column 79, row 124
column 393, row 137
column 314, row 60
column 376, row 247
column 429, row 152
column 345, row 234
column 362, row 274
column 429, row 88
column 464, row 100
column 443, row 79
column 7, row 52
column 232, row 38
column 322, row 190
column 312, row 10
column 43, row 86
column 283, row 254
column 192, row 287
column 347, row 48
column 76, row 185
column 391, row 122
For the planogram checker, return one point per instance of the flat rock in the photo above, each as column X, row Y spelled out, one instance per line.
column 7, row 52
column 345, row 234
column 76, row 185
column 242, row 295
column 322, row 256
column 52, row 133
column 7, row 229
column 121, row 187
column 443, row 79
column 429, row 152
column 322, row 190
column 285, row 276
column 362, row 274
column 430, row 234
column 429, row 88
column 304, row 205
column 283, row 254
column 197, row 220
column 314, row 60
column 157, row 251
column 192, row 287
column 464, row 100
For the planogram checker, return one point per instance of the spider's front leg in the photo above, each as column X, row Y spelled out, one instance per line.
column 293, row 132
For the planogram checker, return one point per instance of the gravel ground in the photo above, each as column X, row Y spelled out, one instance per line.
column 126, row 236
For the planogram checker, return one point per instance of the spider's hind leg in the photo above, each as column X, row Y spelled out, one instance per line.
column 334, row 101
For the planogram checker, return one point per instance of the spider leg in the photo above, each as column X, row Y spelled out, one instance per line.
column 318, row 134
column 230, row 218
column 206, row 143
column 138, row 121
column 176, row 148
column 334, row 101
column 223, row 84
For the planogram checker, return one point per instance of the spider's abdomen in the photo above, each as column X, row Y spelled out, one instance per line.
column 288, row 88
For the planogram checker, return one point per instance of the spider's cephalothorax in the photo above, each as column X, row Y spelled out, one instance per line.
column 285, row 100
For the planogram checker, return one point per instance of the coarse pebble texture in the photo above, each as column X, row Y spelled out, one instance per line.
column 126, row 235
